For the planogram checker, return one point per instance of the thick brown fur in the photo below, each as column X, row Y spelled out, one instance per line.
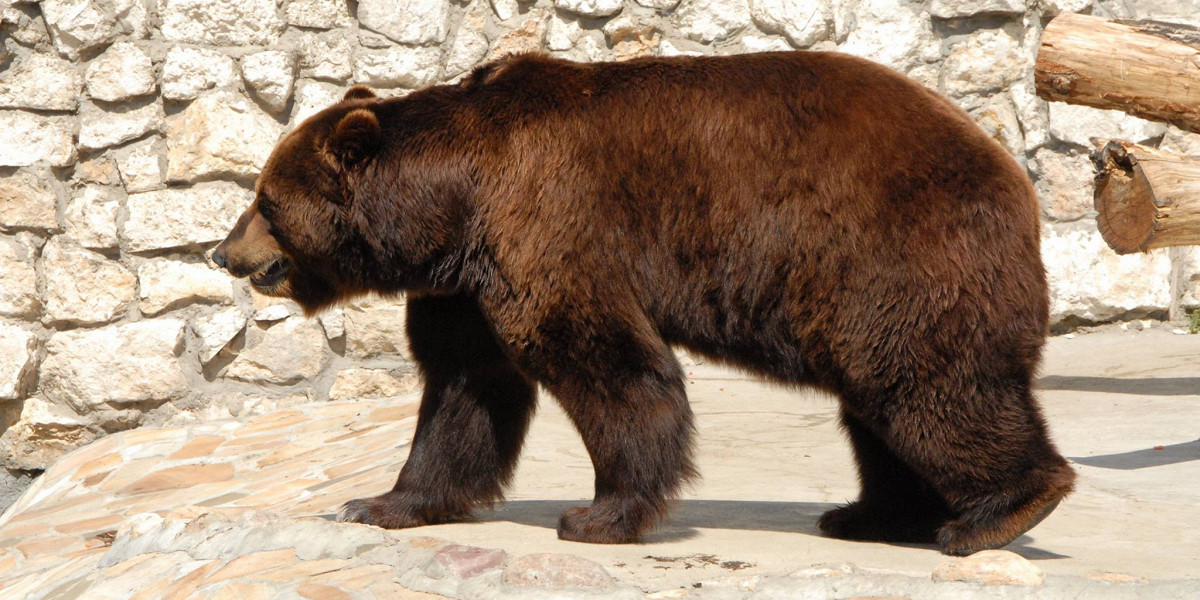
column 811, row 217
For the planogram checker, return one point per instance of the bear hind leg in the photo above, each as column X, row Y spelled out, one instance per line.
column 896, row 504
column 474, row 413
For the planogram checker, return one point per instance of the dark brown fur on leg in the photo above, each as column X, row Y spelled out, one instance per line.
column 895, row 505
column 473, row 418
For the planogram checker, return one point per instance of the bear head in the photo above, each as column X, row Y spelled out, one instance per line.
column 297, row 237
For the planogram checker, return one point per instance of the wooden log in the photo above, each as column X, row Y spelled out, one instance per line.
column 1146, row 198
column 1145, row 68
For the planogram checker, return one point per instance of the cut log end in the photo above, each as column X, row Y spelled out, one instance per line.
column 1146, row 198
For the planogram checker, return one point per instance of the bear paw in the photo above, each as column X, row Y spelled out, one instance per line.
column 962, row 536
column 859, row 522
column 393, row 512
column 593, row 526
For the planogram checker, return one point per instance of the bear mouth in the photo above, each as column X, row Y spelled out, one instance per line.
column 272, row 274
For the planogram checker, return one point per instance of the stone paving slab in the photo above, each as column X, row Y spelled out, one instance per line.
column 243, row 509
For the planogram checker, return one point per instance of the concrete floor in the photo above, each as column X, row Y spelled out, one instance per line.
column 1124, row 406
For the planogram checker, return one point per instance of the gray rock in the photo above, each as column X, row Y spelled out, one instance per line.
column 90, row 216
column 221, row 23
column 313, row 97
column 164, row 284
column 27, row 202
column 399, row 66
column 221, row 134
column 998, row 118
column 591, row 8
column 504, row 9
column 101, row 128
column 886, row 32
column 1055, row 7
column 326, row 56
column 990, row 567
column 469, row 47
column 556, row 571
column 83, row 287
column 465, row 562
column 407, row 21
column 804, row 22
column 142, row 166
column 1090, row 282
column 709, row 21
column 19, row 294
column 286, row 352
column 179, row 217
column 123, row 71
column 271, row 75
column 88, row 369
column 41, row 82
column 79, row 25
column 954, row 9
column 216, row 330
column 19, row 349
column 28, row 139
column 1078, row 124
column 1032, row 113
column 318, row 14
column 375, row 327
column 987, row 61
column 1065, row 184
column 189, row 72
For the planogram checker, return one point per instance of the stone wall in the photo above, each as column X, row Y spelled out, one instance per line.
column 131, row 132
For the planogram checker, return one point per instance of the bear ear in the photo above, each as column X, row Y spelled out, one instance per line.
column 359, row 92
column 356, row 137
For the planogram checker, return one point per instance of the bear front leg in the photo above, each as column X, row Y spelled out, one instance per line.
column 631, row 410
column 474, row 413
column 895, row 505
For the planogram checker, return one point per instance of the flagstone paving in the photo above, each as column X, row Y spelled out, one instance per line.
column 242, row 509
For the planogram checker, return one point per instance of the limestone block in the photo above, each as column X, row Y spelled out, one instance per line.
column 143, row 166
column 312, row 97
column 90, row 216
column 164, row 284
column 591, row 8
column 101, row 170
column 27, row 202
column 220, row 22
column 1064, row 183
column 19, row 349
column 28, row 139
column 990, row 567
column 101, row 128
column 709, row 21
column 88, row 369
column 407, row 21
column 630, row 37
column 122, row 72
column 804, row 22
column 663, row 5
column 326, row 56
column 887, row 32
column 1077, row 124
column 529, row 37
column 561, row 34
column 178, row 217
column 189, row 72
column 1032, row 113
column 79, row 25
column 18, row 294
column 758, row 43
column 1090, row 282
column 556, row 571
column 41, row 82
column 318, row 14
column 955, row 9
column 1185, row 278
column 469, row 47
column 271, row 75
column 284, row 353
column 216, row 330
column 1055, row 7
column 987, row 61
column 1180, row 142
column 44, row 433
column 375, row 327
column 504, row 9
column 84, row 287
column 359, row 384
column 398, row 66
column 333, row 322
column 221, row 134
column 997, row 117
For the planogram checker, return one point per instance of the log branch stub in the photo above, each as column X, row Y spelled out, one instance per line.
column 1145, row 68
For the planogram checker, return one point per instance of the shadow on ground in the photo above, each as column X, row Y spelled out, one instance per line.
column 1147, row 386
column 1145, row 458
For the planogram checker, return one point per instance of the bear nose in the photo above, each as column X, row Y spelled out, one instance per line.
column 218, row 256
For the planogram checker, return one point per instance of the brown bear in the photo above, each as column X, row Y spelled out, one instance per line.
column 811, row 217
